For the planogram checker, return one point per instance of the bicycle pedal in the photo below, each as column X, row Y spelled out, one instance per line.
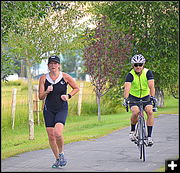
column 149, row 145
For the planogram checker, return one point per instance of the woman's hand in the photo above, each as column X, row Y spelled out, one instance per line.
column 49, row 89
column 64, row 97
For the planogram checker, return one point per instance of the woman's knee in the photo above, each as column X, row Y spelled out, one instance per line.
column 50, row 132
column 58, row 136
column 51, row 137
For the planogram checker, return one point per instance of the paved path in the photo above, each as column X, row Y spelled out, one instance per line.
column 110, row 153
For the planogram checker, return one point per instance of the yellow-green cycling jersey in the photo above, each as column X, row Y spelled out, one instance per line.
column 139, row 85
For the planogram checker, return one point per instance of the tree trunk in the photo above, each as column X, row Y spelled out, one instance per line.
column 159, row 94
column 30, row 100
column 22, row 71
column 99, row 106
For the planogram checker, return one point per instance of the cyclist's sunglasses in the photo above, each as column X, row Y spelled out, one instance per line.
column 138, row 64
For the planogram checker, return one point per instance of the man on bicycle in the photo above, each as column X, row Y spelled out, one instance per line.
column 139, row 84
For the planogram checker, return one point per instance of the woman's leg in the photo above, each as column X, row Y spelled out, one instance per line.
column 58, row 133
column 52, row 141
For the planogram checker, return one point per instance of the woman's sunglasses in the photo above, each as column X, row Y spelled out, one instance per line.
column 138, row 64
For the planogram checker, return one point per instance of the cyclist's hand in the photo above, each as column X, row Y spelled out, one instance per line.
column 125, row 102
column 152, row 98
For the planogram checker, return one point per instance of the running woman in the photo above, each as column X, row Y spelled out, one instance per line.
column 139, row 84
column 53, row 89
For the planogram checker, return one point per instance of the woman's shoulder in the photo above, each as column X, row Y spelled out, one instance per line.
column 42, row 78
column 65, row 75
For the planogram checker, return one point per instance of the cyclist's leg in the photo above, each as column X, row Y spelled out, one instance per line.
column 134, row 120
column 134, row 116
column 150, row 122
column 150, row 117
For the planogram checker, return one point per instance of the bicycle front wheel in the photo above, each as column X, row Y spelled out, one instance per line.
column 142, row 152
column 142, row 139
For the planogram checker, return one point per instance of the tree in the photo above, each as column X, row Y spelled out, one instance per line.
column 72, row 61
column 155, row 32
column 12, row 13
column 60, row 17
column 33, row 37
column 104, row 57
column 8, row 66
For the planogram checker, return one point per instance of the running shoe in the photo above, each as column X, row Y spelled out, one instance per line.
column 56, row 164
column 62, row 160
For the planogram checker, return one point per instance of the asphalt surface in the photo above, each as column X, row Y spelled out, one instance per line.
column 111, row 153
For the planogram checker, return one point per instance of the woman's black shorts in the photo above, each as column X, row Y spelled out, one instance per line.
column 53, row 117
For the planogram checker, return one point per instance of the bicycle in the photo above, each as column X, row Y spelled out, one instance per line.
column 140, row 131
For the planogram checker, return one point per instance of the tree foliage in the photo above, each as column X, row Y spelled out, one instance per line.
column 71, row 61
column 12, row 12
column 39, row 27
column 155, row 31
column 37, row 33
column 105, row 55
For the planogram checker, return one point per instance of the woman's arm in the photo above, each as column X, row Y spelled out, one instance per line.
column 42, row 92
column 72, row 83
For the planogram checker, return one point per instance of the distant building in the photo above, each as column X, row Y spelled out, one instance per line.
column 12, row 77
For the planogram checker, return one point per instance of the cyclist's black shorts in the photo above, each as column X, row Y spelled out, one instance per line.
column 53, row 117
column 133, row 98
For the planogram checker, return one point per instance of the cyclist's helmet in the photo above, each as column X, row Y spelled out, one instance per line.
column 138, row 59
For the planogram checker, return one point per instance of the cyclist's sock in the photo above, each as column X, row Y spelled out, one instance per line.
column 149, row 129
column 133, row 127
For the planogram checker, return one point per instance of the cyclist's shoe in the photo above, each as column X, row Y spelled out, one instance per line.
column 149, row 141
column 132, row 136
column 62, row 161
column 56, row 164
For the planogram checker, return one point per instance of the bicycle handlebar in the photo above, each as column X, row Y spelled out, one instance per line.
column 141, row 102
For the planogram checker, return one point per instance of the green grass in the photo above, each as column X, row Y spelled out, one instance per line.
column 89, row 105
column 77, row 128
column 161, row 169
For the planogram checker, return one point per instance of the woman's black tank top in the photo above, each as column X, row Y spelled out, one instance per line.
column 53, row 100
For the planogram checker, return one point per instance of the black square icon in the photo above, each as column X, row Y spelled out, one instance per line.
column 171, row 165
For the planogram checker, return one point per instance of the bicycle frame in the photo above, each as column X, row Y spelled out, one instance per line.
column 140, row 131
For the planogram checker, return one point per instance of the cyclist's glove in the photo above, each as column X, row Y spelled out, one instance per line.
column 125, row 102
column 153, row 99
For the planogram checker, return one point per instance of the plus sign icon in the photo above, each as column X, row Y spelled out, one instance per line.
column 172, row 165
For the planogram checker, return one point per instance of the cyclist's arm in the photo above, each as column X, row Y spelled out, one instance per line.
column 127, row 85
column 150, row 78
column 151, row 87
